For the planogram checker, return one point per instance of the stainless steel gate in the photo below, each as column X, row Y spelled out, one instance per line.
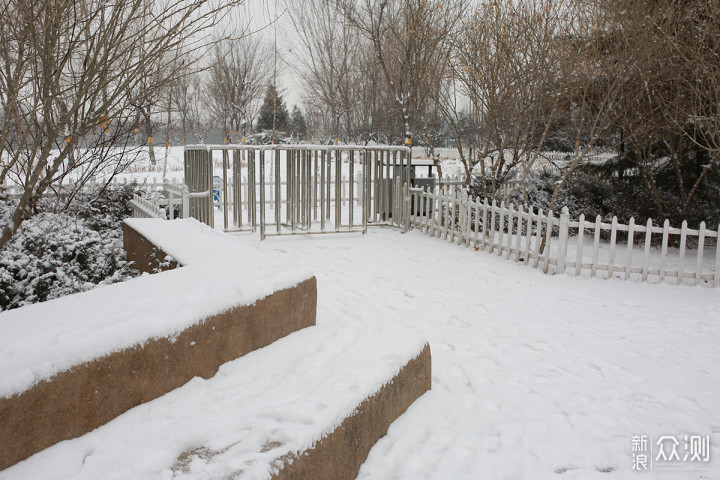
column 302, row 189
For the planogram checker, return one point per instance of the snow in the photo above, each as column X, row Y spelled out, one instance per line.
column 41, row 340
column 272, row 402
column 534, row 376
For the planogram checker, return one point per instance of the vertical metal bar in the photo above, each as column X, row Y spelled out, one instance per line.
column 250, row 187
column 211, row 210
column 202, row 203
column 195, row 166
column 188, row 178
column 366, row 190
column 338, row 189
column 351, row 190
column 199, row 185
column 191, row 179
column 202, row 172
column 322, row 189
column 242, row 158
column 308, row 189
column 237, row 187
column 382, row 183
column 253, row 190
column 237, row 183
column 407, row 160
column 301, row 187
column 262, row 195
column 288, row 195
column 315, row 183
column 388, row 184
column 292, row 179
column 301, row 181
column 397, row 195
column 374, row 185
column 298, row 186
column 328, row 177
column 278, row 179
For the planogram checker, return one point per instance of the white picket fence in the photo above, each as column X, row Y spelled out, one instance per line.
column 529, row 238
column 144, row 208
column 505, row 189
column 175, row 194
column 15, row 190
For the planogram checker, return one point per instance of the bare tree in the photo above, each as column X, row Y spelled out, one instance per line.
column 324, row 53
column 410, row 40
column 237, row 80
column 683, row 42
column 506, row 64
column 69, row 67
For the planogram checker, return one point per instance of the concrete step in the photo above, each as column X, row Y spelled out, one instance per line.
column 72, row 364
column 196, row 372
column 309, row 406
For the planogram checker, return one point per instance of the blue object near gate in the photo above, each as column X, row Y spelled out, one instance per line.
column 217, row 190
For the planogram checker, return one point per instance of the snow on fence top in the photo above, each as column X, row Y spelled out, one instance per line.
column 219, row 273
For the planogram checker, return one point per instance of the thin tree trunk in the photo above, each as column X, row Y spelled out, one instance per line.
column 694, row 190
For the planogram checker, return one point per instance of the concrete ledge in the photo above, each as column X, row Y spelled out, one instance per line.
column 146, row 256
column 339, row 455
column 80, row 399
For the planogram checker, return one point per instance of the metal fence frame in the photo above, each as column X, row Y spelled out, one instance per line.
column 312, row 196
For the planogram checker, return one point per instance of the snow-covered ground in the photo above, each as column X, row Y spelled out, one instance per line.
column 534, row 376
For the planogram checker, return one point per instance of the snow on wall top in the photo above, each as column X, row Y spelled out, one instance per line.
column 38, row 341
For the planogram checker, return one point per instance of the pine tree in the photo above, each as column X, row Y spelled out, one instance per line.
column 297, row 123
column 273, row 106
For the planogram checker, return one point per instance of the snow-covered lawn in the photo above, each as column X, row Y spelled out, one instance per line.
column 534, row 376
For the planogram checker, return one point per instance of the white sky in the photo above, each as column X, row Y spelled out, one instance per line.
column 266, row 19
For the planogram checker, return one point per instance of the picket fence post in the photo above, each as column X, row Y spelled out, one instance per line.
column 681, row 261
column 171, row 205
column 563, row 239
column 630, row 242
column 700, row 252
column 578, row 253
column 185, row 202
column 548, row 239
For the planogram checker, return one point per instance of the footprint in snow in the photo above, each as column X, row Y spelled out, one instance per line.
column 606, row 469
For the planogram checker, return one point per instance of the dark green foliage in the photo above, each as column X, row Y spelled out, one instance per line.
column 298, row 127
column 273, row 107
column 55, row 254
column 617, row 188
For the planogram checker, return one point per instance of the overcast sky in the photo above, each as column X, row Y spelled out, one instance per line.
column 266, row 19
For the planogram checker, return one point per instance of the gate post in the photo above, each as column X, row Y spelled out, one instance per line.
column 198, row 178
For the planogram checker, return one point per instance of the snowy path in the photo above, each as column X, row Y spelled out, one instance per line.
column 534, row 376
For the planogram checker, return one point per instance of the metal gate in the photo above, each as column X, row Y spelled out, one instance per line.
column 301, row 189
column 198, row 178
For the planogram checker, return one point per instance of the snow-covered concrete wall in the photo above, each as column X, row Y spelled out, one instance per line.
column 70, row 365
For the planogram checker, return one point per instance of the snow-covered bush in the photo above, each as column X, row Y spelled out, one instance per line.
column 55, row 254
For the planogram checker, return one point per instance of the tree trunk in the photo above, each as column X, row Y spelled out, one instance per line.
column 149, row 133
